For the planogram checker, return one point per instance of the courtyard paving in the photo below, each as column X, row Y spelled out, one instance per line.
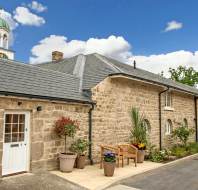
column 92, row 177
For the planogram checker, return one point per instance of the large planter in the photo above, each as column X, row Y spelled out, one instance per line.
column 80, row 161
column 67, row 161
column 140, row 156
column 109, row 168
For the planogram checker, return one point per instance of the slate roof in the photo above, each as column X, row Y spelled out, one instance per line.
column 26, row 80
column 98, row 67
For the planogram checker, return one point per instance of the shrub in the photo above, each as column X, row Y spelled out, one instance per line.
column 159, row 155
column 183, row 133
column 66, row 127
column 179, row 151
column 80, row 146
column 109, row 157
column 192, row 148
column 138, row 131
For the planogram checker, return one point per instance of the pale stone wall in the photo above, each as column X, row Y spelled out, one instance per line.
column 183, row 107
column 111, row 118
column 114, row 99
column 44, row 143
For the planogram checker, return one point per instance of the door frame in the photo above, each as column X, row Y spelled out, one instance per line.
column 27, row 122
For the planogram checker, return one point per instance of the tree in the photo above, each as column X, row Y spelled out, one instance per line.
column 184, row 75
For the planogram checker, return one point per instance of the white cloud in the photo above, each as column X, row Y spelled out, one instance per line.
column 116, row 47
column 12, row 23
column 173, row 25
column 162, row 62
column 112, row 46
column 36, row 6
column 25, row 17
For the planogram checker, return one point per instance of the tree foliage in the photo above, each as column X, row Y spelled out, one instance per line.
column 184, row 75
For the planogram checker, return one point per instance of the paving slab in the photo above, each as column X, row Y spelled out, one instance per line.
column 92, row 177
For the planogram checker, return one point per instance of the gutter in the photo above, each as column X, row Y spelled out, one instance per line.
column 44, row 97
column 196, row 130
column 160, row 118
column 90, row 134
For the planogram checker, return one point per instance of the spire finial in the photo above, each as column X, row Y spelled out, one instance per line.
column 134, row 64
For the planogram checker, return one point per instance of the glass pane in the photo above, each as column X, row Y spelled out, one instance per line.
column 8, row 118
column 7, row 128
column 22, row 118
column 21, row 127
column 14, row 128
column 15, row 118
column 14, row 137
column 7, row 138
column 21, row 137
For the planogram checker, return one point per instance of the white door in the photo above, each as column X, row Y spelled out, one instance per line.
column 16, row 143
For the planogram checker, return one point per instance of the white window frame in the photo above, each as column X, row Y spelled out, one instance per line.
column 168, row 127
column 168, row 101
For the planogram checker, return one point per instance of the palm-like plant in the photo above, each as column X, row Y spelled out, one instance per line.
column 138, row 131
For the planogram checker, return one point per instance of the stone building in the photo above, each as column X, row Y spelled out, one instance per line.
column 97, row 91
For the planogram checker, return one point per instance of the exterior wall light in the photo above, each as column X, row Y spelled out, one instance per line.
column 39, row 108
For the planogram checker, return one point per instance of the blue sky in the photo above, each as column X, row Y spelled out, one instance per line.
column 141, row 23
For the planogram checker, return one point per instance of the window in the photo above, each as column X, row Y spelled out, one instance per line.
column 185, row 122
column 14, row 128
column 168, row 127
column 5, row 41
column 147, row 125
column 168, row 99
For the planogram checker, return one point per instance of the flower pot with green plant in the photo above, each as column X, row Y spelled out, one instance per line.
column 66, row 127
column 138, row 134
column 109, row 164
column 80, row 147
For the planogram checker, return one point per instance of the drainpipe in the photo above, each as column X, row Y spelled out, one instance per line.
column 196, row 132
column 160, row 118
column 90, row 134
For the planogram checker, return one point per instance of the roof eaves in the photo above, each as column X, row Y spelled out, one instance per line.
column 45, row 97
column 154, row 82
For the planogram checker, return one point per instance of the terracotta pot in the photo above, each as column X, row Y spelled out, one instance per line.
column 80, row 161
column 109, row 168
column 67, row 161
column 140, row 156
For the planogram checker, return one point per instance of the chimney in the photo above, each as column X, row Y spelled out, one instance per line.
column 134, row 64
column 57, row 56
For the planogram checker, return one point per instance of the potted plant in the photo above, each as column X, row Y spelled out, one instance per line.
column 109, row 164
column 141, row 152
column 138, row 134
column 67, row 128
column 80, row 146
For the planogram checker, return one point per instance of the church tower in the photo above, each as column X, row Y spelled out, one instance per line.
column 5, row 53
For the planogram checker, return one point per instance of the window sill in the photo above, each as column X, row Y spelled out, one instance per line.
column 166, row 108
